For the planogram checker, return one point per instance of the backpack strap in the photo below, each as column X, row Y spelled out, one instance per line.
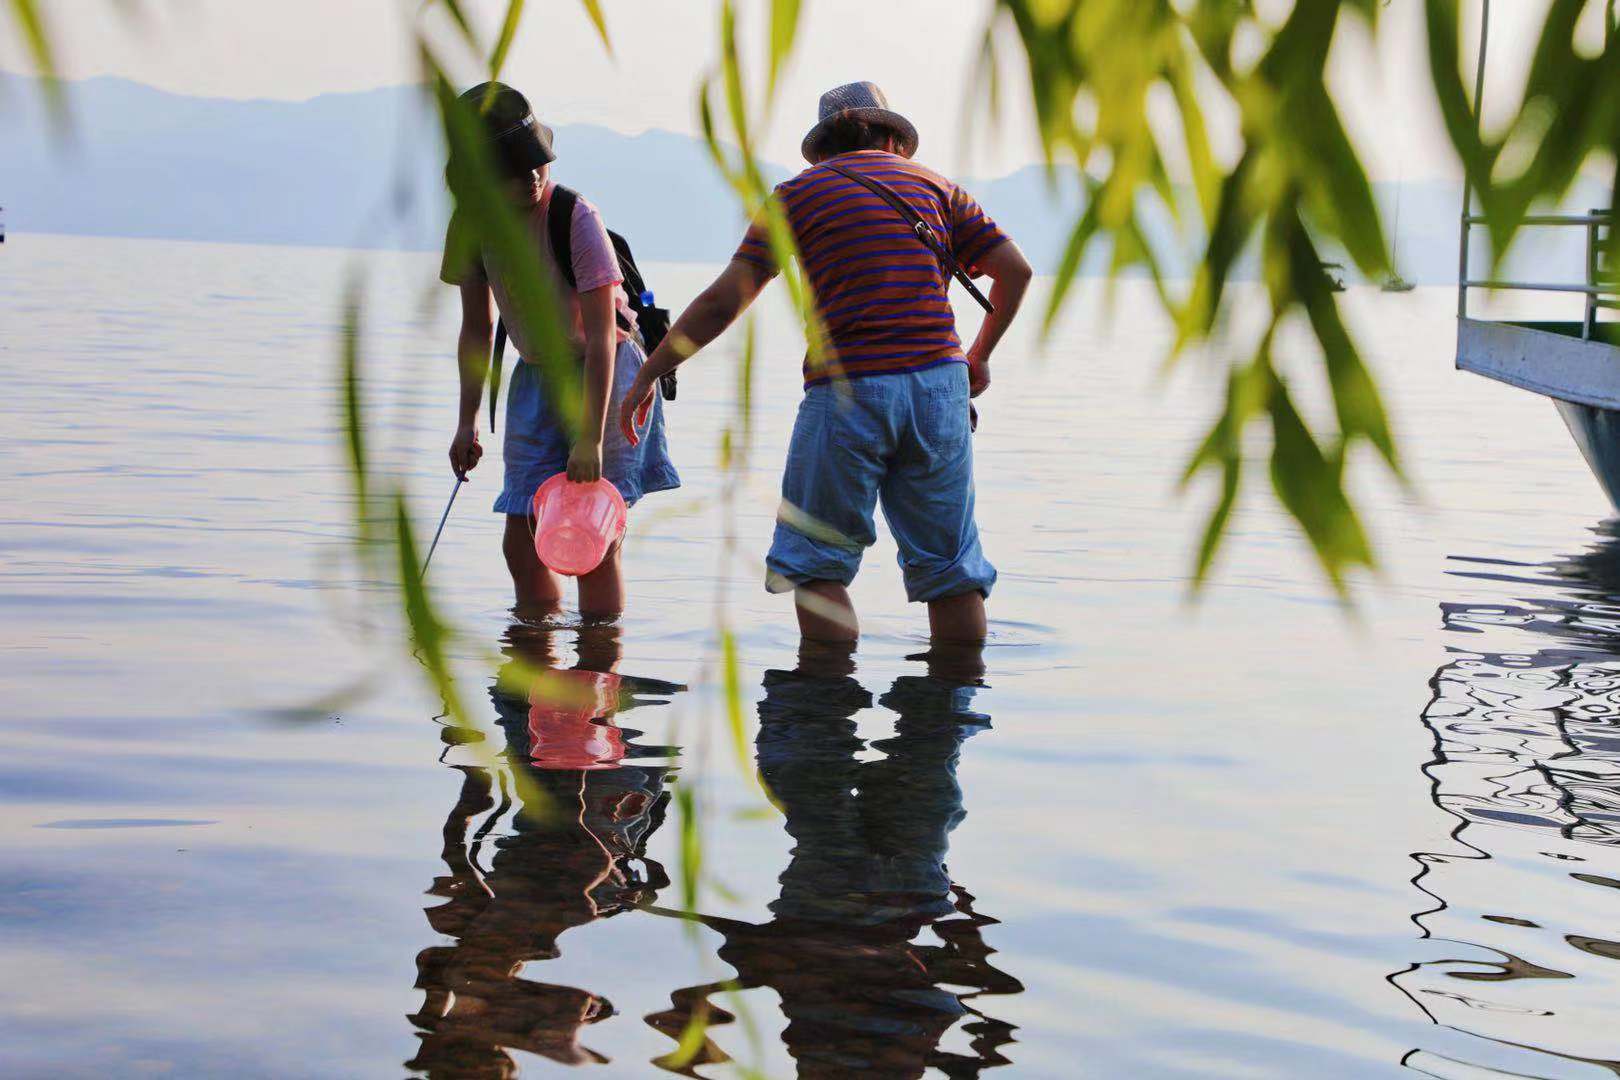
column 560, row 227
column 496, row 354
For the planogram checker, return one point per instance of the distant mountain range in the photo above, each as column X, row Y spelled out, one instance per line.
column 364, row 170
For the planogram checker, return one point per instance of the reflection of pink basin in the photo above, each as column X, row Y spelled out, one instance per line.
column 576, row 524
column 569, row 721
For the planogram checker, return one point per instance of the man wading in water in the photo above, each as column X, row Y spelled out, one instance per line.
column 886, row 418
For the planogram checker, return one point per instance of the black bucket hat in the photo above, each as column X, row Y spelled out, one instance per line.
column 521, row 143
column 859, row 101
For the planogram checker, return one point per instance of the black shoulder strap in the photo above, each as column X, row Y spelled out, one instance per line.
column 560, row 229
column 634, row 283
column 497, row 353
column 921, row 228
column 560, row 226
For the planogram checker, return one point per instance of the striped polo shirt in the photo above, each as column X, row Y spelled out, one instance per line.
column 882, row 293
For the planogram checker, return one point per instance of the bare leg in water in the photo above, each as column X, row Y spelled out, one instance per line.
column 827, row 614
column 958, row 619
column 538, row 591
column 601, row 592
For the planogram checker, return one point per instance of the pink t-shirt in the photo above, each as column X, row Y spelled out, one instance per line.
column 595, row 265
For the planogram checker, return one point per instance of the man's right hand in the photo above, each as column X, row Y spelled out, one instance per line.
column 465, row 450
column 637, row 406
column 978, row 376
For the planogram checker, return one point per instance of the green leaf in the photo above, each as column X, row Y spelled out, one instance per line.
column 593, row 9
column 1234, row 222
column 1092, row 67
column 1222, row 448
column 503, row 44
column 694, row 1037
column 428, row 635
column 759, row 201
column 732, row 678
column 30, row 21
column 784, row 29
column 1445, row 71
column 691, row 846
column 459, row 17
column 1356, row 400
column 1195, row 135
column 732, row 79
column 1310, row 484
column 1069, row 265
column 353, row 405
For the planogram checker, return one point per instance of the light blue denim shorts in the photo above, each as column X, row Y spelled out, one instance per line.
column 901, row 439
column 536, row 444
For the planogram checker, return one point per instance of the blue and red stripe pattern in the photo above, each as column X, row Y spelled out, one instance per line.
column 881, row 293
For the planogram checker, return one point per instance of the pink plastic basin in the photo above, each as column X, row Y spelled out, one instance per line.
column 570, row 721
column 576, row 524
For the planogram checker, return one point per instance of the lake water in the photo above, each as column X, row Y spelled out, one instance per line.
column 1254, row 835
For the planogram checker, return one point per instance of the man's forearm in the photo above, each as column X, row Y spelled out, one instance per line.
column 1006, row 296
column 702, row 322
column 472, row 353
column 707, row 317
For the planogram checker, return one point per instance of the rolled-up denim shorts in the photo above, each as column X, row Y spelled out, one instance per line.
column 903, row 440
column 536, row 443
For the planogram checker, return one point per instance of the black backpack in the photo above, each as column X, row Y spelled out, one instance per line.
column 651, row 323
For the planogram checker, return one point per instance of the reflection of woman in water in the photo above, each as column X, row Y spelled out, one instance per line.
column 1527, row 758
column 577, row 853
column 866, row 877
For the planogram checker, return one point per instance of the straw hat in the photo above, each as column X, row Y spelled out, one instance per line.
column 859, row 101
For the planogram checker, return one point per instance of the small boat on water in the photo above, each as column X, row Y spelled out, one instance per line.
column 1395, row 283
column 1575, row 363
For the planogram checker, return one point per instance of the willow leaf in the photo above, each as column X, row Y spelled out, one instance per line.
column 732, row 79
column 691, row 846
column 353, row 415
column 593, row 9
column 694, row 1038
column 732, row 680
column 1069, row 265
column 36, row 35
column 1356, row 399
column 1195, row 135
column 429, row 636
column 503, row 43
column 1246, row 390
column 784, row 29
column 458, row 15
column 1310, row 484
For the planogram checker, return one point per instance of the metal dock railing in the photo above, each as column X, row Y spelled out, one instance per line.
column 1601, row 287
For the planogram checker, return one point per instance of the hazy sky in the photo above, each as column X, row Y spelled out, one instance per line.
column 923, row 52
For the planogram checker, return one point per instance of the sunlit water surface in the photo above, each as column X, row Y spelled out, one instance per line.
column 1256, row 835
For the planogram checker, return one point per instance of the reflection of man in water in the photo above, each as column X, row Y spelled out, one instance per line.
column 866, row 877
column 574, row 852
